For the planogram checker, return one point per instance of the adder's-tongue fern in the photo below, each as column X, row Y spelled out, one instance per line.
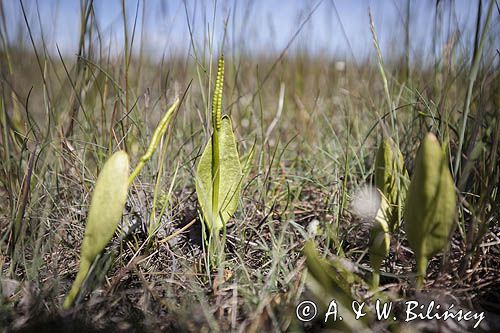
column 218, row 196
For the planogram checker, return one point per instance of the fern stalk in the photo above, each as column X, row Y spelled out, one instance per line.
column 216, row 123
column 155, row 141
column 421, row 269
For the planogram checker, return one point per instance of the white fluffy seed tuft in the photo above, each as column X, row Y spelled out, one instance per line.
column 365, row 203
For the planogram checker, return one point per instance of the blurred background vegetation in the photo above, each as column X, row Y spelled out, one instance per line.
column 81, row 79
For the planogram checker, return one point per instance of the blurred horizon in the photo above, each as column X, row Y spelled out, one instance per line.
column 338, row 29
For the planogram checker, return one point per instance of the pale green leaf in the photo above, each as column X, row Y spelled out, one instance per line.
column 106, row 209
column 230, row 178
column 431, row 203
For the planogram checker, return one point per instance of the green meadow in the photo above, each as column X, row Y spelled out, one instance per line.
column 220, row 189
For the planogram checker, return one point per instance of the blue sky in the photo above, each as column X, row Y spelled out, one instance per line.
column 258, row 26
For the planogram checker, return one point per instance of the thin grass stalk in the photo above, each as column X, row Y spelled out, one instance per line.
column 198, row 65
column 16, row 113
column 392, row 110
column 407, row 73
column 476, row 58
column 153, row 224
column 380, row 64
column 85, row 12
column 127, row 54
column 6, row 149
